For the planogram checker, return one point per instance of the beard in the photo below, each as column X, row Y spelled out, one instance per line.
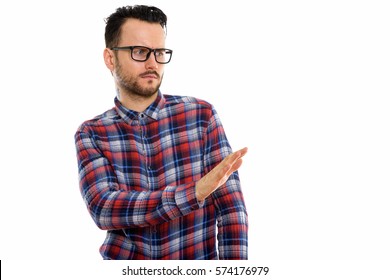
column 130, row 86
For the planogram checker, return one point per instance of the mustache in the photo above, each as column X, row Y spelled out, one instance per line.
column 150, row 73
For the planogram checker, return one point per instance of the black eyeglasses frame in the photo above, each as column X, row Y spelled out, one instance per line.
column 131, row 48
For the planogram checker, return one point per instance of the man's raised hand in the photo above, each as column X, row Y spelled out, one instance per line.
column 219, row 174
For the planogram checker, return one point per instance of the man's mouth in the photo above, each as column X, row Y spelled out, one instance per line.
column 150, row 75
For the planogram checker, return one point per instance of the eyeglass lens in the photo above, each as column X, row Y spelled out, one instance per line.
column 142, row 54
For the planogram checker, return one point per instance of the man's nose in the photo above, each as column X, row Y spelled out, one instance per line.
column 151, row 62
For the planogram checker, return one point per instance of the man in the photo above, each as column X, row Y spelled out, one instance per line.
column 156, row 171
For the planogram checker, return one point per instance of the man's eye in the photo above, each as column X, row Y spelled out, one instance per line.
column 140, row 51
column 160, row 53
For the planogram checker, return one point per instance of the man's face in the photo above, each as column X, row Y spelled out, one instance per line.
column 133, row 77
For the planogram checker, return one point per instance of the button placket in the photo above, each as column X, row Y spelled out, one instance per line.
column 145, row 148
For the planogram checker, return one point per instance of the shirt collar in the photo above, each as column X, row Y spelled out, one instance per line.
column 151, row 111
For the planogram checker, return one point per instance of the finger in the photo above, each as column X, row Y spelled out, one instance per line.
column 230, row 162
column 236, row 165
column 237, row 155
column 236, row 161
column 243, row 151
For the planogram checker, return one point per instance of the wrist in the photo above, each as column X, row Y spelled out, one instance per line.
column 200, row 195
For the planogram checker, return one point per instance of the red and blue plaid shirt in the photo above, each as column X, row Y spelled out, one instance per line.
column 137, row 175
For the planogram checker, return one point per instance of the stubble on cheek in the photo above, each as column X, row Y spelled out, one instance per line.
column 132, row 85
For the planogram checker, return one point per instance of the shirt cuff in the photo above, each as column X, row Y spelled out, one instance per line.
column 181, row 200
column 186, row 200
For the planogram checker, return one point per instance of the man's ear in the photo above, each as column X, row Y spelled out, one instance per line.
column 109, row 59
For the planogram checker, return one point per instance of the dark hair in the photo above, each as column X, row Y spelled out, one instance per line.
column 115, row 21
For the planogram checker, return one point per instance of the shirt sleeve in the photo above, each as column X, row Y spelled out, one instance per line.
column 113, row 208
column 232, row 217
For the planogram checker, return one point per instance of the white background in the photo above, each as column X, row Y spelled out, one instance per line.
column 303, row 84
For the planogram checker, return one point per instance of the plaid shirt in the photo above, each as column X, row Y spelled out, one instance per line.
column 137, row 174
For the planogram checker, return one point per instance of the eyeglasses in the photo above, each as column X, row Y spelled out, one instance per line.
column 141, row 54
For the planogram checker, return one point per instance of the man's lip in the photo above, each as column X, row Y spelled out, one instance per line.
column 149, row 76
